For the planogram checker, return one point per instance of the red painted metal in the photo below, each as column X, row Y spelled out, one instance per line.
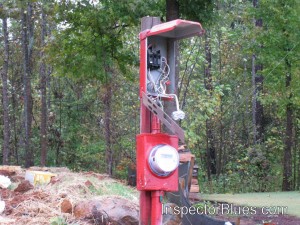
column 144, row 112
column 150, row 185
column 156, row 209
column 176, row 29
column 146, row 179
column 145, row 207
column 143, row 65
column 145, row 122
column 155, row 124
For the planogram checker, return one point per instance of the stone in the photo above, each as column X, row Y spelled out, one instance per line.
column 17, row 178
column 88, row 184
column 6, row 194
column 66, row 206
column 115, row 210
column 83, row 209
column 128, row 220
column 7, row 173
column 24, row 186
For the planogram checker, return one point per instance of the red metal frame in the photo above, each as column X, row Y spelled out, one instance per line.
column 151, row 186
column 146, row 179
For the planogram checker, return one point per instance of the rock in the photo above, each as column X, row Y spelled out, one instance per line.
column 24, row 186
column 66, row 206
column 115, row 210
column 128, row 220
column 6, row 194
column 4, row 181
column 18, row 199
column 7, row 173
column 17, row 178
column 88, row 184
column 83, row 209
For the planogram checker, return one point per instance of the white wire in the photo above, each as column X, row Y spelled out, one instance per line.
column 162, row 79
column 165, row 71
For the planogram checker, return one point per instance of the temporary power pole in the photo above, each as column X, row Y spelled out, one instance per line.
column 157, row 152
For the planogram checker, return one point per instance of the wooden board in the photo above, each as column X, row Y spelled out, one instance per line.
column 195, row 189
column 190, row 177
column 194, row 181
column 186, row 157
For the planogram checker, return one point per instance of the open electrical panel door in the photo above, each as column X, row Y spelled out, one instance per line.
column 157, row 71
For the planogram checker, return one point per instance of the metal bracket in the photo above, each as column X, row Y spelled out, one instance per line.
column 164, row 118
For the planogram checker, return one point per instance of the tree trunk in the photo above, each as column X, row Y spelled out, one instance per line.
column 254, row 101
column 172, row 11
column 14, row 103
column 26, row 18
column 298, row 169
column 220, row 164
column 43, row 88
column 257, row 83
column 6, row 130
column 107, row 126
column 210, row 148
column 220, row 152
column 287, row 156
column 295, row 161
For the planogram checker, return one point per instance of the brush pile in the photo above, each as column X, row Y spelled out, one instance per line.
column 69, row 198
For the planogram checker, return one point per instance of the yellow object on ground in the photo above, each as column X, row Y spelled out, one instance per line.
column 38, row 177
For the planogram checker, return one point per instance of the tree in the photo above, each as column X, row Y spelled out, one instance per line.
column 172, row 9
column 257, row 83
column 210, row 149
column 43, row 88
column 92, row 48
column 27, row 42
column 5, row 102
column 282, row 21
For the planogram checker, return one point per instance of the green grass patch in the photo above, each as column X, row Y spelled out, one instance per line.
column 261, row 199
column 110, row 187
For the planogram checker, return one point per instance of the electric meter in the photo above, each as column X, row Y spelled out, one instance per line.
column 163, row 160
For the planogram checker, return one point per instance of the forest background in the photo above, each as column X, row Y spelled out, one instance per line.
column 69, row 87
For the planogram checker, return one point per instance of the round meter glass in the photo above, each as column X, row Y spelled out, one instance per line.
column 163, row 160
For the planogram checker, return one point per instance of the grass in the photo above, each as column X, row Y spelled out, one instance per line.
column 74, row 185
column 110, row 187
column 266, row 199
